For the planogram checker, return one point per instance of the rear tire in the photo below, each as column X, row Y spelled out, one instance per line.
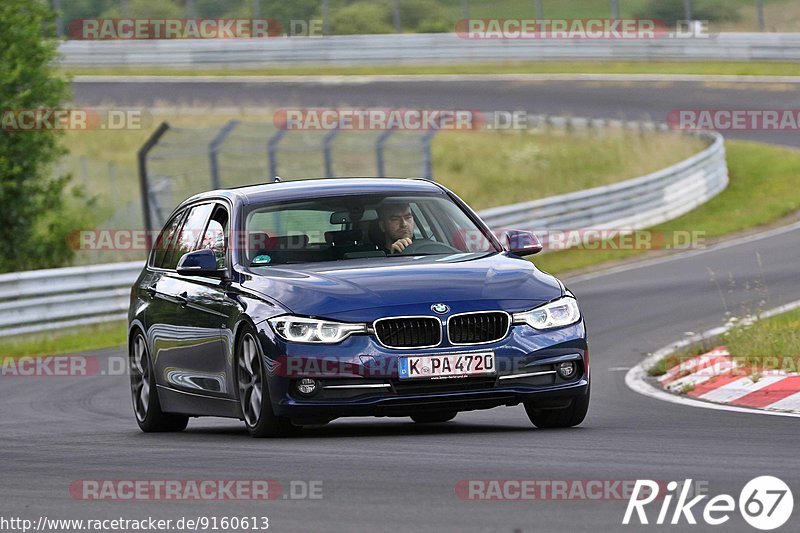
column 251, row 380
column 146, row 407
column 559, row 418
column 433, row 418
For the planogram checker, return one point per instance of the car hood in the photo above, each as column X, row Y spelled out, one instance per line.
column 465, row 282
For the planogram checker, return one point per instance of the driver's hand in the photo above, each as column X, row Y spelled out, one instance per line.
column 400, row 244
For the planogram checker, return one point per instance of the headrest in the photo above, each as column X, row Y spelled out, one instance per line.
column 340, row 237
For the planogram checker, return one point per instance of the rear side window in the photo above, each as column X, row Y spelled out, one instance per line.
column 189, row 235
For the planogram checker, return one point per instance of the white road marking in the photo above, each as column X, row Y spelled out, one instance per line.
column 739, row 388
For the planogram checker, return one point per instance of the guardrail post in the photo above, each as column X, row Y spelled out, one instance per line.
column 272, row 152
column 379, row 144
column 326, row 151
column 427, row 161
column 213, row 151
column 144, row 182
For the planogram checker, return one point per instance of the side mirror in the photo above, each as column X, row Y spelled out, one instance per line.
column 523, row 242
column 200, row 263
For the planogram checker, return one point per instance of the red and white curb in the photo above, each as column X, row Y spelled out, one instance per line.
column 715, row 376
column 714, row 384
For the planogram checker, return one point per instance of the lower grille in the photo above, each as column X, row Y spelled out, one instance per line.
column 477, row 328
column 409, row 332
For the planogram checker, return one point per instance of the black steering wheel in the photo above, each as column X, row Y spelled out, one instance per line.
column 424, row 246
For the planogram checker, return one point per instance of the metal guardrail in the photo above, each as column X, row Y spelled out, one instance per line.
column 54, row 298
column 64, row 297
column 420, row 49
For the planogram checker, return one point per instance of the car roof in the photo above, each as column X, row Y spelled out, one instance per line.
column 301, row 189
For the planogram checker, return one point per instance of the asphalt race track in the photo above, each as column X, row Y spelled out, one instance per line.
column 391, row 475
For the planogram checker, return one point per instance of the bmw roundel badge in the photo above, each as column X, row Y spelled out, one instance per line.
column 440, row 309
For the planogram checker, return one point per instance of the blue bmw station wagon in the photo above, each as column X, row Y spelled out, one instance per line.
column 295, row 303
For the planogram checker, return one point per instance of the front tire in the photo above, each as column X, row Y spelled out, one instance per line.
column 433, row 418
column 259, row 418
column 146, row 407
column 565, row 417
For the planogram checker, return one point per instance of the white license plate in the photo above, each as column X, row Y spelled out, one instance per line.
column 453, row 365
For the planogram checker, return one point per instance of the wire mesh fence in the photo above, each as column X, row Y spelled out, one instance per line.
column 185, row 161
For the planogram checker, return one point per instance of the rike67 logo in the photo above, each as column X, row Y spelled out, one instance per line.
column 765, row 503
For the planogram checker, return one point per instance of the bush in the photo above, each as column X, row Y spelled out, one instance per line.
column 672, row 11
column 33, row 213
column 363, row 18
column 424, row 16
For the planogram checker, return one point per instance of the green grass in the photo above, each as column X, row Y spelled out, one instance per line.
column 762, row 190
column 755, row 68
column 766, row 344
column 67, row 341
column 775, row 336
column 498, row 168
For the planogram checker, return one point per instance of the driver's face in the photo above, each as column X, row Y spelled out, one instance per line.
column 398, row 224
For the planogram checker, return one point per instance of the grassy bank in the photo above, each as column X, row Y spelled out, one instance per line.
column 498, row 168
column 766, row 343
column 67, row 341
column 754, row 68
column 776, row 336
column 762, row 190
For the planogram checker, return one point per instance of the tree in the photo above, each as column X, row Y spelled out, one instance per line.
column 30, row 196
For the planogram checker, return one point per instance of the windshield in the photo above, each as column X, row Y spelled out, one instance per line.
column 357, row 227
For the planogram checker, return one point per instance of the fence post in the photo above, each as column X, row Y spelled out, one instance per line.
column 762, row 23
column 213, row 151
column 326, row 151
column 144, row 182
column 272, row 152
column 427, row 162
column 59, row 18
column 326, row 19
column 382, row 138
column 396, row 16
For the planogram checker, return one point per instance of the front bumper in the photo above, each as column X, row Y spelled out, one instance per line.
column 359, row 377
column 389, row 404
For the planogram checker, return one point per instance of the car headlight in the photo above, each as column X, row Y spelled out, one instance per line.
column 302, row 329
column 559, row 313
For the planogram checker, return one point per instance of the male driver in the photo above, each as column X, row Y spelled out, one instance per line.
column 397, row 224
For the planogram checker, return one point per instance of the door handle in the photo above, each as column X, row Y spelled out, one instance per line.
column 183, row 298
column 151, row 290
